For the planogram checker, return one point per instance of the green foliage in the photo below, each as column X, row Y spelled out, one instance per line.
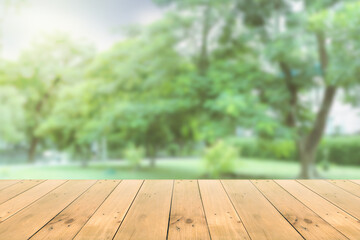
column 145, row 95
column 341, row 26
column 340, row 150
column 12, row 115
column 194, row 76
column 47, row 85
column 134, row 155
column 220, row 158
column 266, row 149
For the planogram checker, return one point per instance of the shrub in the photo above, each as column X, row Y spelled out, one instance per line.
column 276, row 149
column 339, row 150
column 281, row 149
column 134, row 155
column 220, row 159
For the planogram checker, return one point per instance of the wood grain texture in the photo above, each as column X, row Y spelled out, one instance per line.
column 306, row 222
column 356, row 181
column 27, row 222
column 17, row 188
column 181, row 209
column 107, row 219
column 346, row 224
column 261, row 219
column 148, row 217
column 187, row 218
column 7, row 183
column 24, row 199
column 222, row 219
column 348, row 186
column 344, row 200
column 68, row 223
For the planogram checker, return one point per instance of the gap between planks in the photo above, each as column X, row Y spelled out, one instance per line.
column 180, row 209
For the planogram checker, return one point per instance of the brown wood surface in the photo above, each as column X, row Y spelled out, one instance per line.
column 348, row 186
column 222, row 218
column 306, row 222
column 341, row 198
column 187, row 218
column 180, row 209
column 260, row 218
column 149, row 215
column 69, row 222
column 17, row 188
column 22, row 200
column 107, row 219
column 32, row 218
column 356, row 181
column 7, row 183
column 346, row 224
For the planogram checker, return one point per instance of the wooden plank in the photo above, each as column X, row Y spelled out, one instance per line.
column 336, row 195
column 17, row 188
column 7, row 183
column 24, row 199
column 356, row 181
column 25, row 223
column 306, row 222
column 68, row 223
column 107, row 219
column 261, row 219
column 222, row 219
column 348, row 186
column 187, row 218
column 343, row 222
column 149, row 214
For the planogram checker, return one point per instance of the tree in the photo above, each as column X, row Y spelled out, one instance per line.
column 206, row 30
column 278, row 53
column 12, row 115
column 40, row 73
column 309, row 54
column 143, row 89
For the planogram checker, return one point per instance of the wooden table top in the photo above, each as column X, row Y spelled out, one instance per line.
column 179, row 209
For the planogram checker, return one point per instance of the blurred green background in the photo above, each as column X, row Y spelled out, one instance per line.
column 180, row 89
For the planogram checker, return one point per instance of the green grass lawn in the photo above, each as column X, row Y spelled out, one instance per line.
column 168, row 169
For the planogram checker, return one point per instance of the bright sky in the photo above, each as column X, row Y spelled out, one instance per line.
column 99, row 21
column 345, row 116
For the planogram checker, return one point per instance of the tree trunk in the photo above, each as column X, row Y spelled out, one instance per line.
column 32, row 150
column 152, row 152
column 152, row 161
column 308, row 166
column 203, row 62
column 85, row 155
column 104, row 153
column 39, row 108
column 307, row 149
column 307, row 159
column 84, row 162
column 308, row 146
